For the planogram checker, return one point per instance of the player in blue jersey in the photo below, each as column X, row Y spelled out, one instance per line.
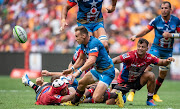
column 90, row 16
column 103, row 70
column 167, row 27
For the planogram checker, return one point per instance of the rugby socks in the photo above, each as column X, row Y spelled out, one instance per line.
column 109, row 95
column 77, row 97
column 159, row 81
column 150, row 96
column 35, row 87
column 90, row 92
column 89, row 100
column 31, row 83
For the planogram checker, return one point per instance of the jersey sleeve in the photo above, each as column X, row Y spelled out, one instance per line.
column 72, row 2
column 178, row 26
column 154, row 60
column 125, row 57
column 151, row 24
column 94, row 49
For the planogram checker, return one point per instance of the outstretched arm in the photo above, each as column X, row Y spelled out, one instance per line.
column 64, row 15
column 79, row 62
column 141, row 33
column 89, row 63
column 117, row 60
column 165, row 62
column 47, row 73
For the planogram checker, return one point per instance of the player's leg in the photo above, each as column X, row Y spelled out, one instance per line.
column 114, row 81
column 86, row 80
column 149, row 79
column 162, row 74
column 100, row 33
column 27, row 82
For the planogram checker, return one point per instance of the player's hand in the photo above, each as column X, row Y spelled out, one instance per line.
column 67, row 71
column 170, row 59
column 63, row 24
column 39, row 81
column 71, row 78
column 110, row 9
column 133, row 38
column 167, row 35
column 45, row 73
column 76, row 74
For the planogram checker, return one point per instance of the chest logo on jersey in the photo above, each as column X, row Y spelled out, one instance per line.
column 85, row 0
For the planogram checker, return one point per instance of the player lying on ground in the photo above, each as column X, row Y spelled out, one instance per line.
column 50, row 93
column 133, row 75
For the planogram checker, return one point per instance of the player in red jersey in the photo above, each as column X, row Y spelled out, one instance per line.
column 134, row 75
column 51, row 93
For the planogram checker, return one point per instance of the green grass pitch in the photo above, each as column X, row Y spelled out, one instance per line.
column 14, row 95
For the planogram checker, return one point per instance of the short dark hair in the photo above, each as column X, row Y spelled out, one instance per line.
column 164, row 2
column 142, row 40
column 54, row 77
column 82, row 29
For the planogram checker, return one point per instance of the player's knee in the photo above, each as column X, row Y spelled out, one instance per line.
column 81, row 84
column 97, row 98
column 162, row 74
column 152, row 76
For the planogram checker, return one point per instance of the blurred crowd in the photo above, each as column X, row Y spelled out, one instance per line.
column 41, row 20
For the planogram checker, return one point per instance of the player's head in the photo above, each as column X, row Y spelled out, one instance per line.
column 54, row 77
column 59, row 87
column 142, row 46
column 80, row 34
column 165, row 9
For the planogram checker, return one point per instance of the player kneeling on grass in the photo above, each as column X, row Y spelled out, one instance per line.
column 50, row 93
column 103, row 71
column 133, row 74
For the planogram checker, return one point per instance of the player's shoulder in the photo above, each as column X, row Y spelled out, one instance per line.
column 150, row 56
column 174, row 18
column 94, row 41
column 158, row 18
column 73, row 1
column 78, row 47
column 130, row 54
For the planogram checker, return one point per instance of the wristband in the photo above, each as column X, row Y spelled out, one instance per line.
column 72, row 68
column 80, row 71
column 175, row 35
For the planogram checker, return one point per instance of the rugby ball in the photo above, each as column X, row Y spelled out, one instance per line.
column 19, row 34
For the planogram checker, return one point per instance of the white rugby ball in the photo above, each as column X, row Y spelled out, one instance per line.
column 19, row 34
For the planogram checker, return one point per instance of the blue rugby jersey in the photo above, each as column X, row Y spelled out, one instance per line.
column 160, row 27
column 89, row 10
column 96, row 48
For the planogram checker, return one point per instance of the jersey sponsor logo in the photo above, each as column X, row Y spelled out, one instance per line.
column 57, row 96
column 126, row 55
column 173, row 27
column 94, row 49
column 159, row 27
